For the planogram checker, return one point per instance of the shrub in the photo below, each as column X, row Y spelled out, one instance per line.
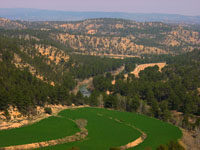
column 7, row 115
column 48, row 110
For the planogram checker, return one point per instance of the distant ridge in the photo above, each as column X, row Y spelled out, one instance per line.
column 53, row 15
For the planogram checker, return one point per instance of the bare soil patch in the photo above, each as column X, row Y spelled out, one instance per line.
column 143, row 66
column 190, row 140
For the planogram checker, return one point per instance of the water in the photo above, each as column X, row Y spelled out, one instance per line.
column 83, row 89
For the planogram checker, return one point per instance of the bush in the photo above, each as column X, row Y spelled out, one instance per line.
column 48, row 110
column 7, row 115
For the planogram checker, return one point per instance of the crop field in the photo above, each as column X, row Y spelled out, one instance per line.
column 157, row 131
column 106, row 129
column 47, row 129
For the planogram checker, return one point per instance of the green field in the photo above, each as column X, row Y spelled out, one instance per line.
column 103, row 128
column 47, row 129
column 157, row 131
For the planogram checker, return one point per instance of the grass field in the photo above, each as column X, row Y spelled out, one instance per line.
column 47, row 129
column 104, row 128
column 157, row 131
column 105, row 132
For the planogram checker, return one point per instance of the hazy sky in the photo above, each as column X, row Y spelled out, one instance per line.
column 186, row 7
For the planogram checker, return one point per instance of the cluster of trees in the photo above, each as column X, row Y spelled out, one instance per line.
column 20, row 88
column 84, row 66
column 156, row 93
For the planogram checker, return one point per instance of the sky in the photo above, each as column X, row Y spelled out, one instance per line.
column 184, row 7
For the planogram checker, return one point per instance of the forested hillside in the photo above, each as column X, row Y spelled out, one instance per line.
column 36, row 74
column 108, row 36
column 25, row 76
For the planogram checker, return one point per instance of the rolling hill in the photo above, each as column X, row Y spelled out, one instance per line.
column 52, row 15
column 108, row 36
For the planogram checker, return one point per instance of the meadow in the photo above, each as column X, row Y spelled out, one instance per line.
column 106, row 129
column 47, row 129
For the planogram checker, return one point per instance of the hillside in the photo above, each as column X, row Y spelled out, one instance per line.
column 111, row 37
column 114, row 36
column 43, row 61
column 47, row 72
